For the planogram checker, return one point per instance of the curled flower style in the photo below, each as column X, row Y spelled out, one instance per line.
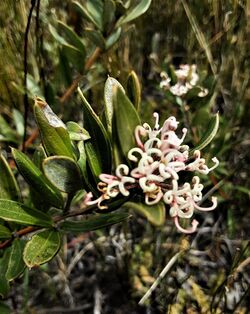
column 187, row 78
column 157, row 161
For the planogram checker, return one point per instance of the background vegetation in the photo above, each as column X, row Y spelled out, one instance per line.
column 108, row 271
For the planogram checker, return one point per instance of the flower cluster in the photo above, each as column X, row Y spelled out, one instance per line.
column 187, row 78
column 158, row 158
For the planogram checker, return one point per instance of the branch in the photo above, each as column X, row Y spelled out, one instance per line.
column 84, row 210
column 77, row 80
column 25, row 69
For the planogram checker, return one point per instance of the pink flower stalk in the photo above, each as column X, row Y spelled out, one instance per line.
column 159, row 157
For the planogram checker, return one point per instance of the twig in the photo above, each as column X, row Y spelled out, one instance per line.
column 25, row 66
column 77, row 80
column 56, row 219
column 160, row 277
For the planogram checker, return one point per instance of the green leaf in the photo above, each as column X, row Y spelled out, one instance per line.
column 16, row 264
column 210, row 133
column 8, row 185
column 108, row 100
column 154, row 213
column 108, row 14
column 76, row 132
column 19, row 122
column 56, row 36
column 53, row 131
column 98, row 148
column 19, row 213
column 134, row 12
column 74, row 56
column 4, row 232
column 126, row 120
column 4, row 283
column 64, row 173
column 85, row 13
column 39, row 156
column 4, row 308
column 41, row 248
column 113, row 38
column 134, row 90
column 72, row 38
column 95, row 37
column 6, row 132
column 94, row 223
column 36, row 179
column 95, row 9
column 88, row 180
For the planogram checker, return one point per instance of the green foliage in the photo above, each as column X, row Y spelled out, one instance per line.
column 79, row 44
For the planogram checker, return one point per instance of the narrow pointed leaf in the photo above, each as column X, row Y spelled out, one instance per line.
column 71, row 37
column 95, row 9
column 64, row 173
column 16, row 264
column 95, row 37
column 154, row 213
column 4, row 232
column 21, row 214
column 53, row 131
column 108, row 13
column 126, row 120
column 42, row 248
column 98, row 148
column 113, row 38
column 108, row 100
column 19, row 121
column 134, row 89
column 135, row 12
column 8, row 185
column 36, row 179
column 210, row 133
column 94, row 223
column 85, row 13
column 74, row 56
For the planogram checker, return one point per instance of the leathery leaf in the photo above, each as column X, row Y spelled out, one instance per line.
column 36, row 179
column 42, row 247
column 54, row 134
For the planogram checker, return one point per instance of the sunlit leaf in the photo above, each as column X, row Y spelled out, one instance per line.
column 108, row 100
column 76, row 132
column 53, row 131
column 134, row 12
column 64, row 173
column 134, row 90
column 42, row 247
column 126, row 120
column 21, row 214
